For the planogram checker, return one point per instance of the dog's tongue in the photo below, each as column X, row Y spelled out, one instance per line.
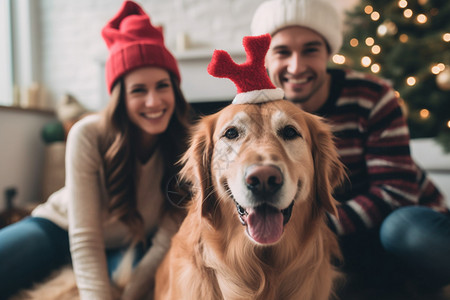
column 265, row 224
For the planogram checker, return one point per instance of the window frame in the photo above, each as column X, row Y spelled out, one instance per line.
column 6, row 56
column 19, row 26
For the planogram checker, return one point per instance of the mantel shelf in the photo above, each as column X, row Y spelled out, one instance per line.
column 45, row 111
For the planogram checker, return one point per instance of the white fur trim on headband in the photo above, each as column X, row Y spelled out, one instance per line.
column 259, row 96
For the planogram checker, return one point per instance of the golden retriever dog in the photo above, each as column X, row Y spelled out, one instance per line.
column 262, row 177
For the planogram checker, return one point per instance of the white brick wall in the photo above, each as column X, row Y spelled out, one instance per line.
column 72, row 47
column 71, row 44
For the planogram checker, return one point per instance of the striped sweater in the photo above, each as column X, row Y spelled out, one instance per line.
column 372, row 138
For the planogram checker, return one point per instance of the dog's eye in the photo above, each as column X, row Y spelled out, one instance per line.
column 289, row 133
column 231, row 133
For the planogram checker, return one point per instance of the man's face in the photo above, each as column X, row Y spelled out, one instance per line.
column 297, row 63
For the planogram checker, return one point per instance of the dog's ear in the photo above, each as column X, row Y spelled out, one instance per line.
column 329, row 172
column 196, row 164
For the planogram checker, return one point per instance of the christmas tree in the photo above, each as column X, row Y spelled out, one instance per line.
column 407, row 42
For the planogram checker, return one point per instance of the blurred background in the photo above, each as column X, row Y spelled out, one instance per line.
column 56, row 45
column 52, row 57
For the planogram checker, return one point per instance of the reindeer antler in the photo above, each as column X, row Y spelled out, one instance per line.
column 250, row 77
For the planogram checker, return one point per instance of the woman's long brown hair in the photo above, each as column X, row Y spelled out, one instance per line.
column 119, row 154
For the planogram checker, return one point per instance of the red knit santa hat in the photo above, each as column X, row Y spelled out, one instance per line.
column 134, row 42
column 251, row 79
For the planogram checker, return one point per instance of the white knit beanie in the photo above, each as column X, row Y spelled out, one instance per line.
column 319, row 15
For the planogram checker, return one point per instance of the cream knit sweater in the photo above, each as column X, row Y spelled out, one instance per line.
column 81, row 208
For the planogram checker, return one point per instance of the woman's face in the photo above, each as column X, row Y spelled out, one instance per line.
column 150, row 99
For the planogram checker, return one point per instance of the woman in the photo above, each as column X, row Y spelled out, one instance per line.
column 118, row 167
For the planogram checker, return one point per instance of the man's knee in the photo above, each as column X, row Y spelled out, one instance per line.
column 413, row 230
column 401, row 229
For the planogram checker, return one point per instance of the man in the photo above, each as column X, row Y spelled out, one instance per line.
column 388, row 211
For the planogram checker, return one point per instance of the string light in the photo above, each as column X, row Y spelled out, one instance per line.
column 354, row 42
column 375, row 68
column 370, row 41
column 375, row 16
column 403, row 38
column 424, row 113
column 402, row 3
column 366, row 61
column 422, row 19
column 387, row 27
column 446, row 37
column 411, row 81
column 339, row 59
column 376, row 49
column 435, row 69
column 368, row 9
column 448, row 124
column 391, row 27
column 382, row 30
column 408, row 13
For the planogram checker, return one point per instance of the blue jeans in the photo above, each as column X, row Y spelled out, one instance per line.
column 413, row 243
column 420, row 238
column 34, row 247
column 29, row 250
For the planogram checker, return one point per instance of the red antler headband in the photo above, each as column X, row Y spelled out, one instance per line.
column 251, row 79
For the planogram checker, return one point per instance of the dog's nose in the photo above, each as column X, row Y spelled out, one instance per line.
column 262, row 179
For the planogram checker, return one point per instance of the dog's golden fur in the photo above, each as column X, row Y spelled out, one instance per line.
column 212, row 256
